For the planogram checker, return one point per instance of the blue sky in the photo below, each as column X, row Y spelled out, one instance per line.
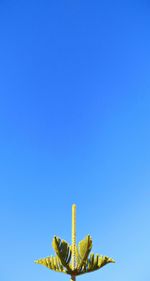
column 74, row 128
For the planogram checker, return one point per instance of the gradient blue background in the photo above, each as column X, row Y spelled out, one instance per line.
column 74, row 128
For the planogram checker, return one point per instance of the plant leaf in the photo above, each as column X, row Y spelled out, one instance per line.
column 63, row 251
column 84, row 248
column 52, row 263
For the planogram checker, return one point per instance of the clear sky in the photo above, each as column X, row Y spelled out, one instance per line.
column 74, row 128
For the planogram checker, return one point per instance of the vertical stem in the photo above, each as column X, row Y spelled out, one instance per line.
column 73, row 240
column 73, row 278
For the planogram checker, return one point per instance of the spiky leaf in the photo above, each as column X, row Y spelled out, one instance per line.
column 52, row 263
column 63, row 251
column 84, row 247
column 96, row 262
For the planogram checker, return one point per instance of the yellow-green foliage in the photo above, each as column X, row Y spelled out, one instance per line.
column 84, row 248
column 84, row 263
column 52, row 263
column 63, row 251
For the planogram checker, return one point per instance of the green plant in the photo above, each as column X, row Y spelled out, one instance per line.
column 72, row 259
